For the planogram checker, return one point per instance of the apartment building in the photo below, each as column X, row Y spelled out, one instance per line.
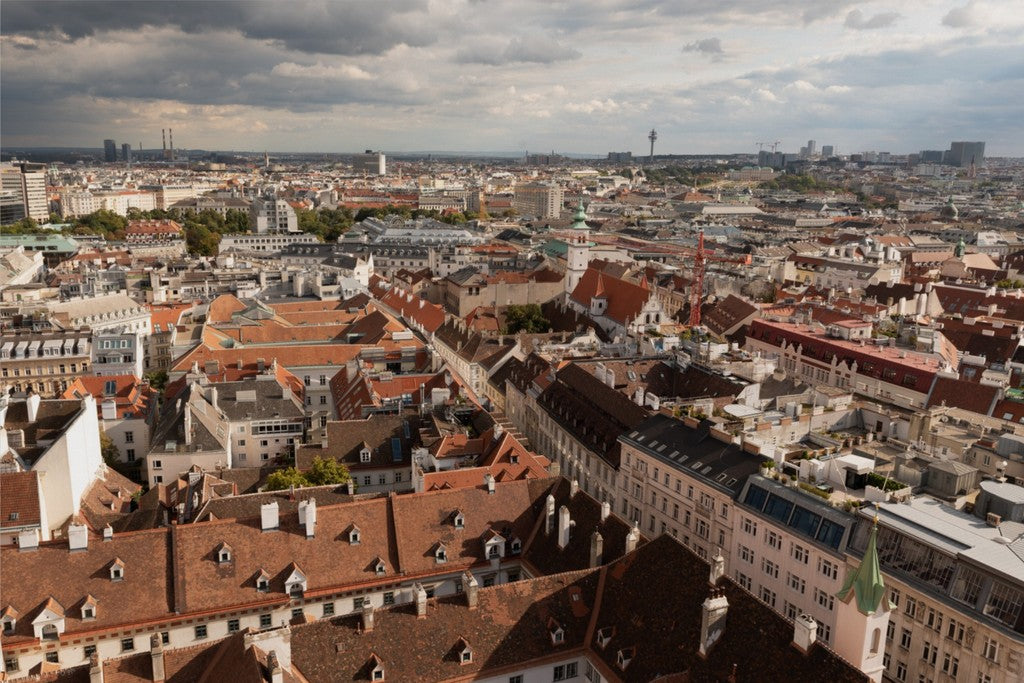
column 25, row 183
column 264, row 244
column 956, row 585
column 681, row 477
column 268, row 214
column 265, row 416
column 43, row 362
column 118, row 352
column 539, row 200
column 118, row 311
column 472, row 357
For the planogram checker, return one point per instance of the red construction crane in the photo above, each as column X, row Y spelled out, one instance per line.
column 700, row 259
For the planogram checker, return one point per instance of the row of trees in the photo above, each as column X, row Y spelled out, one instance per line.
column 322, row 472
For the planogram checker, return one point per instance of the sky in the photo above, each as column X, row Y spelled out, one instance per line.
column 592, row 76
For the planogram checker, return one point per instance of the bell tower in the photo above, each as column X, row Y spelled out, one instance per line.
column 578, row 258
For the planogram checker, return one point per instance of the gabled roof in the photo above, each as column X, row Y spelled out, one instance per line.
column 625, row 299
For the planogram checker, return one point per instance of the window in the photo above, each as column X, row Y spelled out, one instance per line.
column 746, row 554
column 767, row 596
column 933, row 620
column 984, row 678
column 796, row 583
column 990, row 650
column 825, row 599
column 826, row 568
column 130, row 454
column 518, row 678
column 265, row 621
column 127, row 644
column 905, row 639
column 11, row 664
column 366, row 480
column 165, row 637
column 157, row 465
column 1004, row 603
column 53, row 657
column 950, row 665
column 890, row 631
column 389, row 598
column 774, row 540
column 789, row 609
column 770, row 568
column 129, row 437
column 910, row 608
column 89, row 651
column 563, row 672
column 743, row 580
column 382, row 479
column 88, row 613
column 328, row 609
column 357, row 603
column 200, row 631
column 799, row 553
column 955, row 631
column 929, row 653
column 901, row 671
column 749, row 526
column 233, row 626
column 323, row 400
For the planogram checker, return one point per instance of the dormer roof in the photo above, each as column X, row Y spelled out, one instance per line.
column 51, row 610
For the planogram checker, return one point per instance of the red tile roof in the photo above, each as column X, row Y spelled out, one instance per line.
column 19, row 499
column 625, row 299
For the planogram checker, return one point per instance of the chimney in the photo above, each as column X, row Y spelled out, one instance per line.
column 712, row 620
column 367, row 617
column 95, row 669
column 574, row 488
column 108, row 533
column 717, row 568
column 32, row 406
column 274, row 668
column 489, row 482
column 269, row 516
column 632, row 539
column 420, row 596
column 4, row 444
column 156, row 657
column 78, row 537
column 109, row 409
column 564, row 525
column 213, row 396
column 188, row 424
column 805, row 632
column 606, row 509
column 311, row 518
column 350, row 487
column 549, row 515
column 28, row 540
column 596, row 549
column 472, row 590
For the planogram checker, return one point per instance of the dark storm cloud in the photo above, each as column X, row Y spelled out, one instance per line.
column 343, row 28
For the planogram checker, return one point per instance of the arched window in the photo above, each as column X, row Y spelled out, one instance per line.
column 876, row 637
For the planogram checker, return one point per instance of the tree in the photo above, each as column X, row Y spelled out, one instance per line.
column 326, row 471
column 284, row 479
column 157, row 379
column 528, row 318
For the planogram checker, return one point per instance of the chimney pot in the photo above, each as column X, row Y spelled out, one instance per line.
column 596, row 550
column 472, row 590
column 78, row 537
column 805, row 632
column 632, row 539
column 421, row 600
column 564, row 525
column 367, row 617
column 156, row 654
column 269, row 520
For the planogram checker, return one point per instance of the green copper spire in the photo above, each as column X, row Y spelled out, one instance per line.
column 961, row 248
column 579, row 220
column 866, row 581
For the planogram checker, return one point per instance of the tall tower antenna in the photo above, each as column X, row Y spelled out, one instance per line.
column 652, row 136
column 163, row 134
column 170, row 137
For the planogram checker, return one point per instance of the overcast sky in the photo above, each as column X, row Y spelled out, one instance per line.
column 589, row 77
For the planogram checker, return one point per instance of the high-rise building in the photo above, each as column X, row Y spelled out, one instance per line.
column 812, row 147
column 126, row 152
column 539, row 200
column 963, row 154
column 370, row 163
column 932, row 156
column 23, row 192
column 109, row 151
column 828, row 151
column 268, row 214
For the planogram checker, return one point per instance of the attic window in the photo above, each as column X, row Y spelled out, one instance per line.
column 262, row 583
column 380, row 568
column 88, row 612
column 8, row 625
column 354, row 536
column 364, row 455
column 117, row 570
column 14, row 516
column 224, row 553
column 441, row 555
column 558, row 636
column 493, row 552
column 459, row 520
column 517, row 546
column 624, row 657
column 465, row 652
column 604, row 636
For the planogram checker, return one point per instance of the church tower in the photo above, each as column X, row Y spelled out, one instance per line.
column 578, row 258
column 862, row 614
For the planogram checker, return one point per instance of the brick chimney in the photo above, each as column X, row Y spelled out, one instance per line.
column 156, row 657
column 606, row 509
column 717, row 568
column 421, row 600
column 564, row 526
column 472, row 587
column 712, row 620
column 632, row 539
column 805, row 632
column 367, row 617
column 596, row 549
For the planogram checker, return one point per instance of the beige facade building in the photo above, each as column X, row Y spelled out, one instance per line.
column 43, row 362
column 539, row 200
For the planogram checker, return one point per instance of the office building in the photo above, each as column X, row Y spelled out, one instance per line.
column 369, row 163
column 828, row 151
column 620, row 157
column 932, row 156
column 23, row 192
column 963, row 154
column 109, row 151
column 126, row 152
column 539, row 200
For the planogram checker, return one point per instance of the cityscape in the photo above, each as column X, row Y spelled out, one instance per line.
column 525, row 342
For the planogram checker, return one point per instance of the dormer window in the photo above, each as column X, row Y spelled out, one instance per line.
column 117, row 570
column 354, row 535
column 465, row 651
column 295, row 584
column 604, row 636
column 517, row 546
column 262, row 582
column 556, row 631
column 88, row 612
column 441, row 554
column 9, row 619
column 364, row 455
column 625, row 656
column 459, row 520
column 224, row 554
column 493, row 552
column 376, row 668
column 379, row 567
